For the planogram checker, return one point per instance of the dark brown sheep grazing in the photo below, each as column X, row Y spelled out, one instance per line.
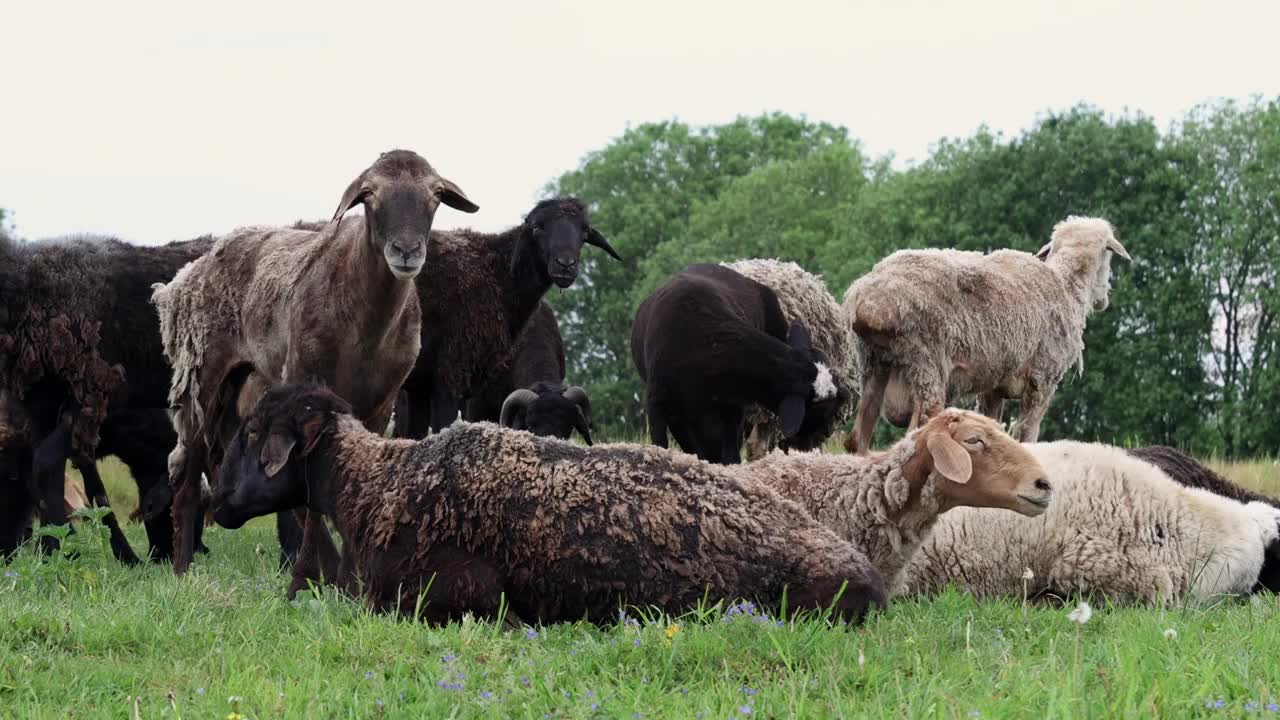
column 565, row 533
column 270, row 305
column 1189, row 472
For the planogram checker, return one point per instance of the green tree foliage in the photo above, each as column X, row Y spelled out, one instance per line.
column 1235, row 212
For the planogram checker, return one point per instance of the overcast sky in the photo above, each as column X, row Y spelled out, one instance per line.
column 165, row 120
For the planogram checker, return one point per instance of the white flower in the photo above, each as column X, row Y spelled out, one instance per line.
column 1028, row 575
column 1081, row 614
column 1170, row 634
column 862, row 660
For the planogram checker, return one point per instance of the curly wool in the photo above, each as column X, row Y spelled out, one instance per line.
column 77, row 313
column 867, row 501
column 804, row 298
column 566, row 526
column 1117, row 527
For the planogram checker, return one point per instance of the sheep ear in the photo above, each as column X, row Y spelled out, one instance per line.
column 1044, row 251
column 523, row 240
column 275, row 453
column 1114, row 246
column 313, row 429
column 791, row 414
column 595, row 238
column 799, row 338
column 950, row 458
column 450, row 194
column 356, row 192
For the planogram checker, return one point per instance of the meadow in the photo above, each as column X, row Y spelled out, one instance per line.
column 87, row 637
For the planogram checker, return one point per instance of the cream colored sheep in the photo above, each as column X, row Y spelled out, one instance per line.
column 939, row 324
column 1118, row 527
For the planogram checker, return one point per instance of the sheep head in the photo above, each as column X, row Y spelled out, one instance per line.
column 266, row 466
column 553, row 233
column 977, row 464
column 1087, row 245
column 400, row 193
column 550, row 410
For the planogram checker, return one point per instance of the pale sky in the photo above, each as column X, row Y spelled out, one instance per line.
column 165, row 120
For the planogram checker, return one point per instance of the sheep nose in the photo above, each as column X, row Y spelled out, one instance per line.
column 1042, row 484
column 568, row 263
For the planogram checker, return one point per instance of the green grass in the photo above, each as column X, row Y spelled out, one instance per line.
column 89, row 638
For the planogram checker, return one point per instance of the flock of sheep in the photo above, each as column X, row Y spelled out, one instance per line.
column 259, row 373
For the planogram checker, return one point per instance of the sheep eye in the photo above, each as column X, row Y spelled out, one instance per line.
column 974, row 442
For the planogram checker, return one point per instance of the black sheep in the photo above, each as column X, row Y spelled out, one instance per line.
column 477, row 296
column 81, row 354
column 711, row 342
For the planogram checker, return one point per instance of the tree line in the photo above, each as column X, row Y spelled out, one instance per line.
column 1187, row 353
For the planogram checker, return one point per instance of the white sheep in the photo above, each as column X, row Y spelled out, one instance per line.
column 804, row 298
column 1118, row 527
column 939, row 324
column 887, row 505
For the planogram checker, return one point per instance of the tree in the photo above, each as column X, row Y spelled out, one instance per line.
column 642, row 189
column 1235, row 209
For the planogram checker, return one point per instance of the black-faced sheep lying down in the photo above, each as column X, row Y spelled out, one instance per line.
column 482, row 292
column 1189, row 472
column 1118, row 528
column 888, row 504
column 564, row 532
column 711, row 343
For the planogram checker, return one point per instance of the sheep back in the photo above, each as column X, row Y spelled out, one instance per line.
column 576, row 532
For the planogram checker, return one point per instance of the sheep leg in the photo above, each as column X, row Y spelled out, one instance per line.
column 991, row 404
column 289, row 532
column 444, row 408
column 186, row 504
column 731, row 435
column 657, row 419
column 16, row 510
column 869, row 401
column 317, row 558
column 1035, row 403
column 97, row 491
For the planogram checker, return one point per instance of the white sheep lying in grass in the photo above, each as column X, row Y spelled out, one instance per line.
column 1118, row 527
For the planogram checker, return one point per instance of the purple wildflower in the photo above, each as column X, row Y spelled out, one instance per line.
column 1272, row 707
column 368, row 675
column 530, row 634
column 749, row 691
column 524, row 681
column 11, row 573
column 486, row 695
column 199, row 691
column 448, row 658
column 637, row 642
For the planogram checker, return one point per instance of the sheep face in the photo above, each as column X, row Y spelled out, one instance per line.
column 548, row 410
column 977, row 464
column 1090, row 242
column 400, row 193
column 554, row 232
column 267, row 465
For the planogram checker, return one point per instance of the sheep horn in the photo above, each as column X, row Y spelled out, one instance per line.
column 583, row 426
column 1114, row 246
column 595, row 238
column 517, row 401
column 578, row 396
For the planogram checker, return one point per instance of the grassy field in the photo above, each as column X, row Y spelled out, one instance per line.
column 89, row 638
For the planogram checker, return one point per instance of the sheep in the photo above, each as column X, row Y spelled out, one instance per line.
column 712, row 342
column 82, row 354
column 478, row 511
column 886, row 506
column 477, row 304
column 550, row 410
column 804, row 298
column 938, row 324
column 1118, row 528
column 536, row 356
column 1189, row 472
column 269, row 305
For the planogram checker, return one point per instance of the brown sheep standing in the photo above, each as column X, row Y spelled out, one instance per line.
column 270, row 305
column 479, row 511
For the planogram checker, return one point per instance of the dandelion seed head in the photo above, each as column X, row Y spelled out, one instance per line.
column 1027, row 574
column 1081, row 614
column 1170, row 634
